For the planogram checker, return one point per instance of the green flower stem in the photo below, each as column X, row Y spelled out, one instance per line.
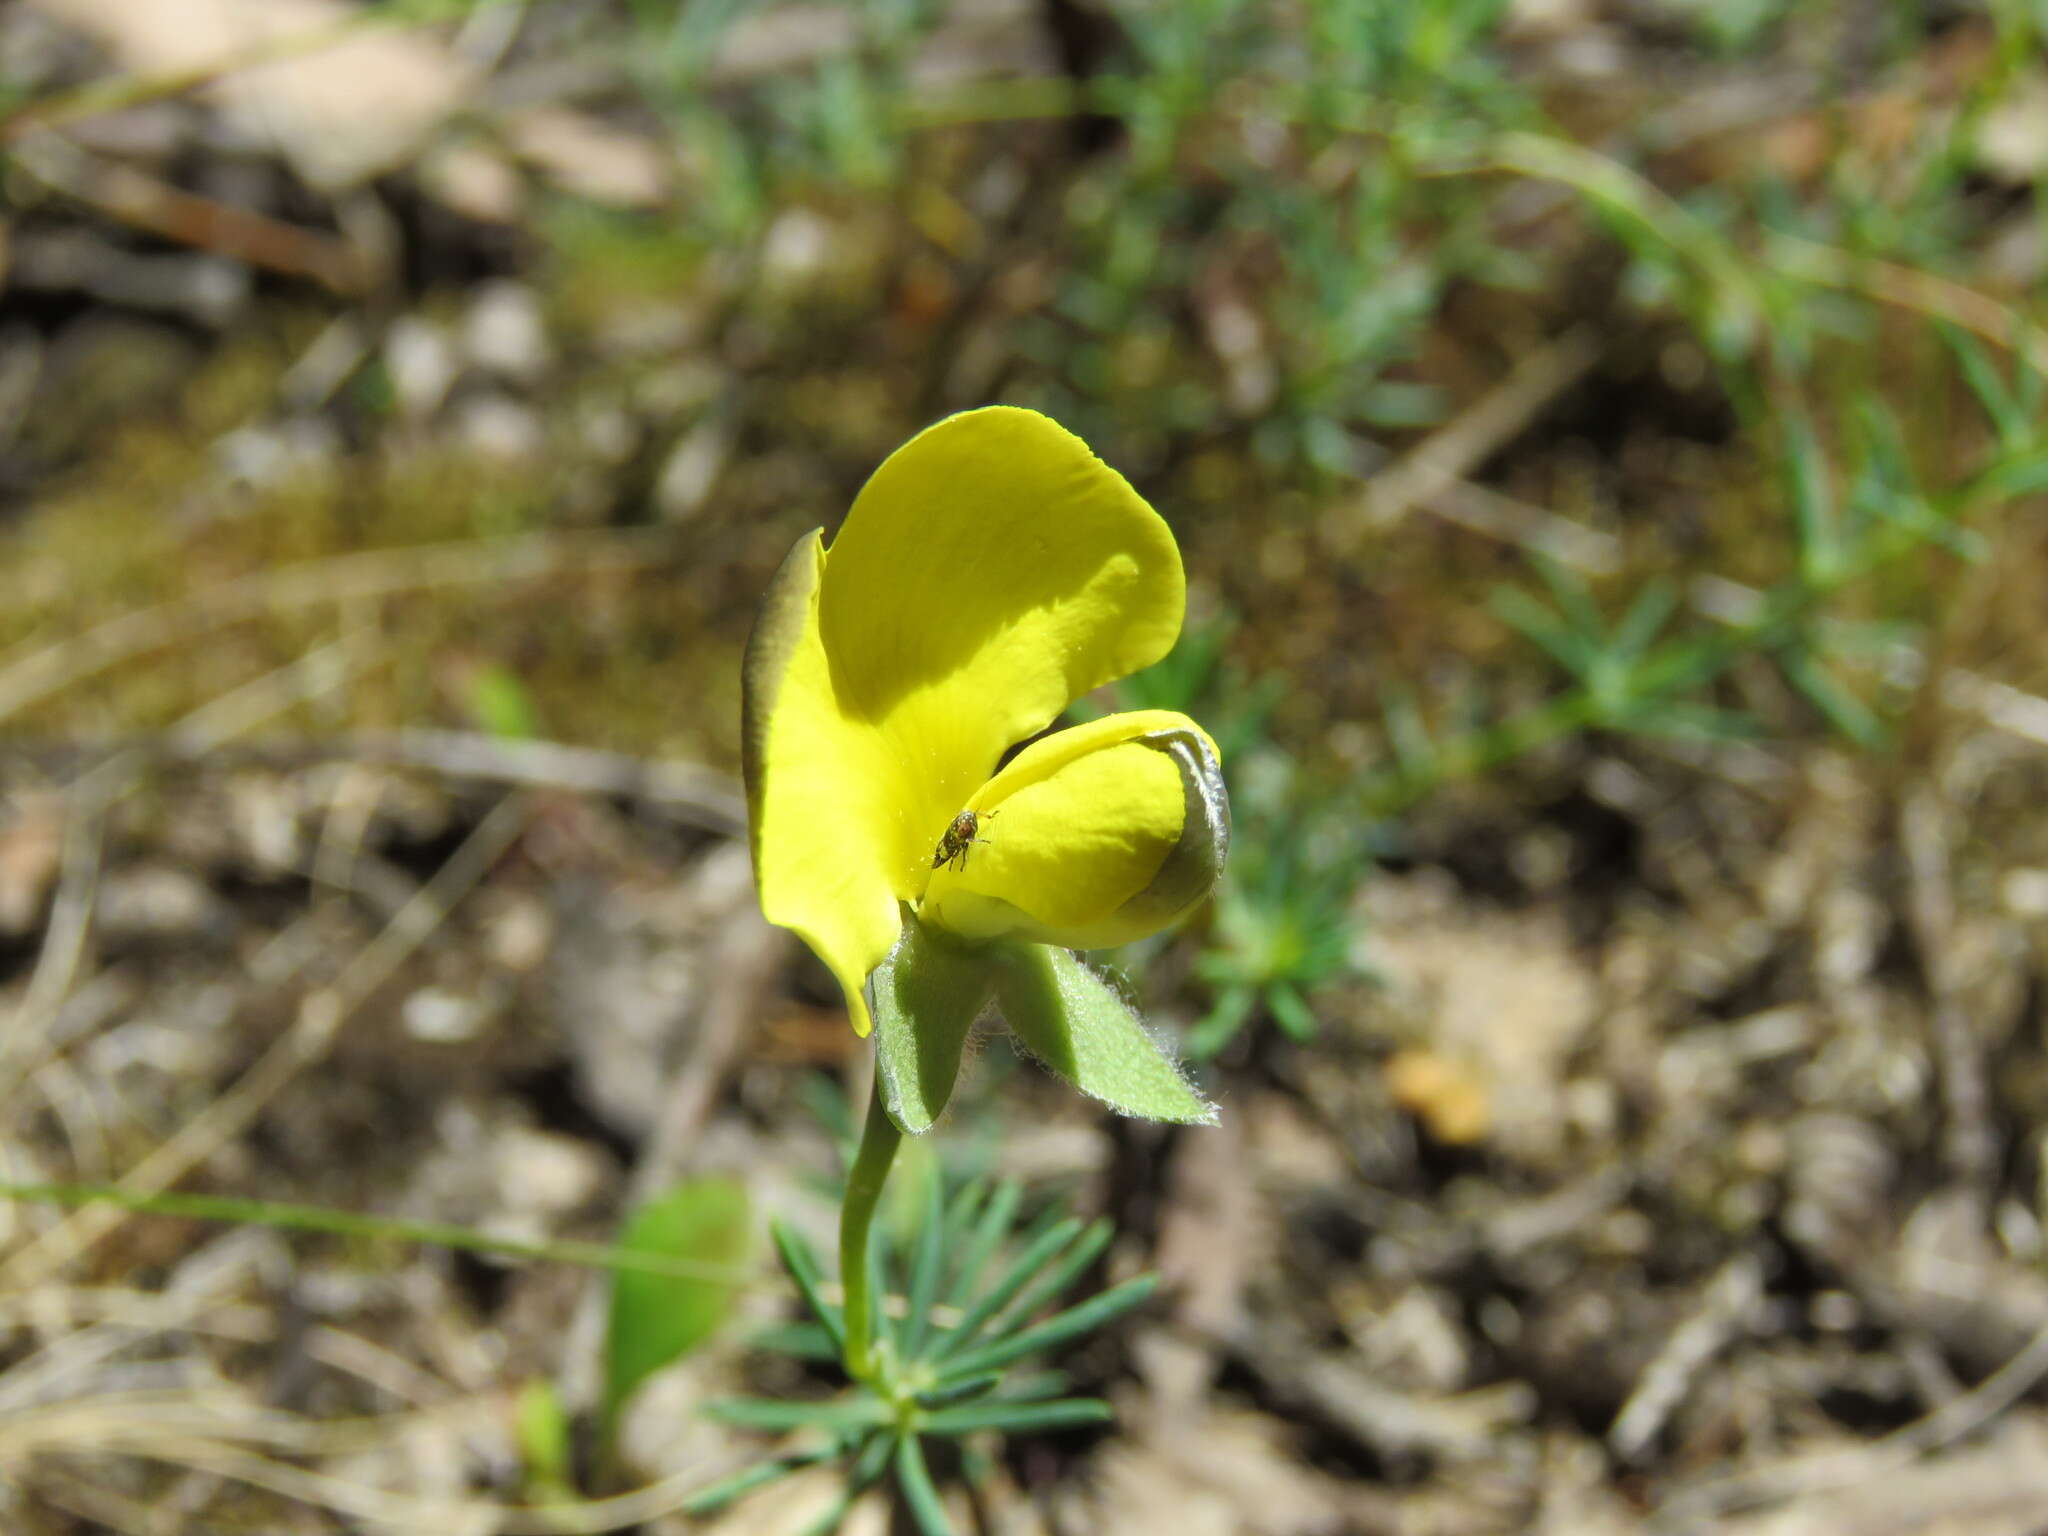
column 879, row 1139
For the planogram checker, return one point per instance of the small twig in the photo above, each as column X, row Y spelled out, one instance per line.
column 185, row 218
column 1727, row 1309
column 1430, row 470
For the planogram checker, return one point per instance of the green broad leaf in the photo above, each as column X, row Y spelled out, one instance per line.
column 657, row 1319
column 1077, row 1026
column 1566, row 645
column 1645, row 619
column 1982, row 376
column 1407, row 732
column 1034, row 1386
column 925, row 998
column 871, row 1462
column 2023, row 474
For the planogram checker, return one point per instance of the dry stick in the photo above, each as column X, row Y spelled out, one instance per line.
column 206, row 1406
column 1999, row 705
column 1841, row 1469
column 185, row 218
column 1427, row 473
column 1727, row 1309
column 320, row 1015
column 28, row 679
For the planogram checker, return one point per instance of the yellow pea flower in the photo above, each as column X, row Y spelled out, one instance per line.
column 991, row 571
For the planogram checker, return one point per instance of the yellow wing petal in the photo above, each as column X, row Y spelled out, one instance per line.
column 819, row 813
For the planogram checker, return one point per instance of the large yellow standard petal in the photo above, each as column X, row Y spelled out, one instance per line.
column 991, row 571
column 1091, row 837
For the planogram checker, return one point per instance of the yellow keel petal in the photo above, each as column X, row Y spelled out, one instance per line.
column 1092, row 837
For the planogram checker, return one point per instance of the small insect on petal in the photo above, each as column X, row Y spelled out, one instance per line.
column 960, row 837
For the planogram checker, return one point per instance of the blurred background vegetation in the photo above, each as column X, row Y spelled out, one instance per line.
column 1606, row 440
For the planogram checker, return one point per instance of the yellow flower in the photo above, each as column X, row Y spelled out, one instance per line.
column 991, row 572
